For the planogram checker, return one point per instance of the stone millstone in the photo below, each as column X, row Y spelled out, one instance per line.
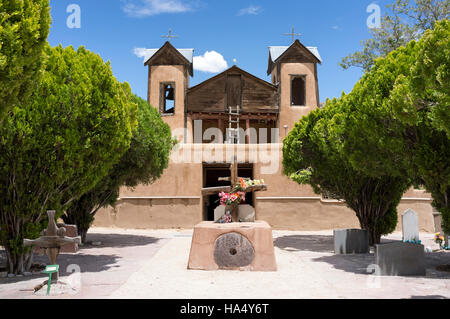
column 233, row 250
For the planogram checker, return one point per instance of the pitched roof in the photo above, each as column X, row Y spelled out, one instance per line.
column 276, row 53
column 236, row 69
column 185, row 54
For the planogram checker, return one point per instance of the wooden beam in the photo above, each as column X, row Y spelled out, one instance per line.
column 224, row 116
column 227, row 189
column 215, row 190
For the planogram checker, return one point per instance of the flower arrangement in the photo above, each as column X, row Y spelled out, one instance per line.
column 234, row 198
column 439, row 239
column 225, row 219
column 244, row 184
column 413, row 241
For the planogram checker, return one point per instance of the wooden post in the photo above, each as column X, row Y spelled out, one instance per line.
column 221, row 130
column 247, row 135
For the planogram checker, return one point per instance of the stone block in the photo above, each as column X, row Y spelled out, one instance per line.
column 351, row 241
column 246, row 214
column 219, row 212
column 400, row 259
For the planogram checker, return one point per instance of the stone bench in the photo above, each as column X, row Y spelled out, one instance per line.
column 351, row 241
column 400, row 259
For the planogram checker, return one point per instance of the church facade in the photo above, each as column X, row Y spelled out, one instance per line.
column 235, row 116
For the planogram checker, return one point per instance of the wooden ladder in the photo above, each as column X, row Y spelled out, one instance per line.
column 234, row 114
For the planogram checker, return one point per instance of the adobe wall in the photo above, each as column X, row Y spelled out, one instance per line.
column 156, row 213
column 282, row 214
column 175, row 201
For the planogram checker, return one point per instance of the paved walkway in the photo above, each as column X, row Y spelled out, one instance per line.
column 152, row 264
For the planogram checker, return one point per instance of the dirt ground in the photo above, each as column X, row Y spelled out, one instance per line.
column 153, row 264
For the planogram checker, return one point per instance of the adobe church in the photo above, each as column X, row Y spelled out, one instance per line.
column 253, row 117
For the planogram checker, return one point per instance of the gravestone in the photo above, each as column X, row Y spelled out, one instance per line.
column 246, row 214
column 219, row 212
column 410, row 225
column 351, row 241
column 400, row 259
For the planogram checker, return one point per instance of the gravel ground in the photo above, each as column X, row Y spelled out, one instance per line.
column 153, row 264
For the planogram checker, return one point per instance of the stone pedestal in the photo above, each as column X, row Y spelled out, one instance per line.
column 400, row 259
column 233, row 246
column 351, row 241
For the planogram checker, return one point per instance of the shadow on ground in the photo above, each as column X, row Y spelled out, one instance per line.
column 87, row 258
column 359, row 263
column 313, row 243
column 117, row 240
column 86, row 263
column 316, row 243
column 429, row 297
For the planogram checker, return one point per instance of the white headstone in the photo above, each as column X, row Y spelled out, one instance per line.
column 410, row 225
column 219, row 212
column 246, row 213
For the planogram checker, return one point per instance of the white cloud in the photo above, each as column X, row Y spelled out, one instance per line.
column 254, row 10
column 210, row 62
column 142, row 53
column 145, row 8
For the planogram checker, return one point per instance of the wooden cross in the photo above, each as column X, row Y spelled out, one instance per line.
column 234, row 179
column 170, row 36
column 293, row 34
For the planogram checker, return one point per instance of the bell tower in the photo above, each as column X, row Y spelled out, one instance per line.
column 169, row 70
column 294, row 70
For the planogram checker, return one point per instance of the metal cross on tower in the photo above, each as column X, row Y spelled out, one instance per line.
column 293, row 34
column 170, row 36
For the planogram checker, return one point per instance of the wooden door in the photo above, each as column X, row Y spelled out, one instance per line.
column 234, row 90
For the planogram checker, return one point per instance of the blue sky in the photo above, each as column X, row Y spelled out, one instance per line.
column 241, row 30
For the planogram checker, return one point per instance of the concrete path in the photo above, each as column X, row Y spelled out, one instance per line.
column 307, row 268
column 153, row 264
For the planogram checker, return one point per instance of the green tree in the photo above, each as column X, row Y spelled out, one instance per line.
column 24, row 27
column 400, row 109
column 75, row 126
column 143, row 163
column 421, row 100
column 312, row 155
column 405, row 21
